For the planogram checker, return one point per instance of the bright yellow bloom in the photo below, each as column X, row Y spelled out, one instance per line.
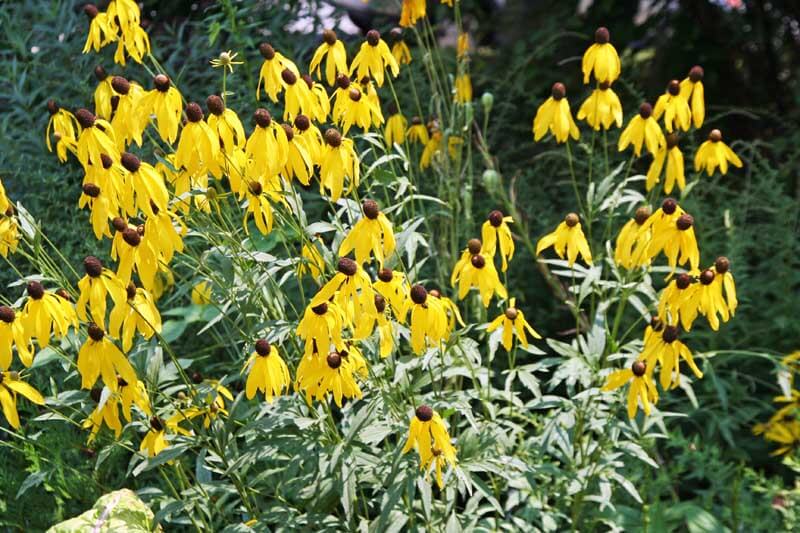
column 479, row 272
column 201, row 293
column 642, row 129
column 412, row 11
column 371, row 235
column 321, row 328
column 677, row 240
column 393, row 286
column 259, row 194
column 155, row 441
column 674, row 107
column 641, row 388
column 494, row 232
column 270, row 75
column 428, row 434
column 123, row 14
column 225, row 123
column 555, row 117
column 268, row 373
column 319, row 376
column 667, row 350
column 128, row 120
column 95, row 286
column 137, row 312
column 629, row 235
column 46, row 312
column 100, row 357
column 312, row 138
column 601, row 58
column 602, row 108
column 165, row 102
column 12, row 333
column 100, row 31
column 784, row 432
column 707, row 297
column 124, row 18
column 359, row 110
column 432, row 148
column 677, row 303
column 450, row 310
column 339, row 163
column 715, row 153
column 379, row 321
column 428, row 322
column 312, row 261
column 162, row 234
column 10, row 386
column 724, row 277
column 97, row 138
column 5, row 204
column 336, row 54
column 395, row 129
column 102, row 93
column 401, row 52
column 692, row 91
column 134, row 254
column 462, row 45
column 64, row 128
column 267, row 147
column 198, row 148
column 318, row 101
column 418, row 132
column 372, row 58
column 463, row 89
column 9, row 235
column 133, row 394
column 143, row 188
column 671, row 153
column 350, row 288
column 513, row 322
column 298, row 97
column 101, row 208
column 567, row 238
column 107, row 411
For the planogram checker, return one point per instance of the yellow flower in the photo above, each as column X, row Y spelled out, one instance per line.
column 479, row 272
column 372, row 234
column 395, row 130
column 155, row 441
column 671, row 153
column 128, row 120
column 100, row 31
column 267, row 147
column 103, row 93
column 641, row 388
column 124, row 18
column 165, row 102
column 321, row 328
column 601, row 58
column 428, row 322
column 96, row 138
column 663, row 220
column 642, row 129
column 10, row 386
column 450, row 310
column 667, row 350
column 138, row 312
column 259, row 194
column 602, row 108
column 268, row 373
column 496, row 231
column 785, row 432
column 133, row 394
column 555, row 117
column 567, row 238
column 431, row 148
column 9, row 235
column 5, row 204
column 101, row 207
column 715, row 153
column 373, row 57
column 707, row 298
column 143, row 187
column 226, row 60
column 359, row 110
column 677, row 240
column 318, row 100
column 463, row 89
column 401, row 52
column 629, row 235
column 64, row 127
column 462, row 45
column 418, row 132
column 133, row 253
column 724, row 277
column 272, row 68
column 513, row 322
column 394, row 288
column 198, row 148
column 692, row 91
column 336, row 54
column 369, row 322
column 351, row 288
column 428, row 434
column 311, row 136
column 45, row 312
column 312, row 261
column 95, row 286
column 107, row 411
column 298, row 97
column 100, row 357
column 201, row 293
column 161, row 234
column 675, row 108
column 12, row 333
column 678, row 303
column 225, row 123
column 320, row 376
column 189, row 188
column 411, row 11
column 123, row 14
column 339, row 162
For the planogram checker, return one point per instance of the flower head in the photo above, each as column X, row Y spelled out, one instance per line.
column 554, row 116
column 513, row 323
column 601, row 58
column 267, row 372
column 373, row 58
column 568, row 238
column 692, row 91
column 715, row 153
column 641, row 386
column 226, row 60
column 642, row 129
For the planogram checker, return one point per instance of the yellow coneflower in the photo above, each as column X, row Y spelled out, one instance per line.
column 101, row 207
column 102, row 93
column 339, row 163
column 162, row 233
column 198, row 148
column 131, row 394
column 97, row 138
column 225, row 123
column 267, row 373
column 165, row 102
column 267, row 147
column 667, row 350
column 450, row 310
column 334, row 50
column 601, row 58
column 674, row 107
column 124, row 18
column 428, row 320
column 190, row 188
column 10, row 386
column 693, row 92
column 128, row 120
column 144, row 188
column 555, row 117
column 395, row 129
column 641, row 386
column 462, row 45
column 128, row 248
column 670, row 153
column 513, row 323
column 677, row 303
column 496, row 234
column 361, row 111
column 318, row 100
column 724, row 277
column 628, row 236
column 298, row 162
column 9, row 235
column 372, row 58
column 12, row 333
column 393, row 286
column 5, row 204
column 100, row 31
column 602, row 108
column 480, row 273
column 155, row 441
column 678, row 242
column 271, row 71
column 123, row 13
column 372, row 234
column 411, row 11
column 567, row 238
column 311, row 136
column 341, row 97
column 201, row 293
column 95, row 286
column 321, row 328
column 663, row 220
column 258, row 197
column 107, row 410
column 428, row 434
column 99, row 357
column 297, row 97
column 432, row 148
column 370, row 322
column 351, row 288
column 642, row 129
column 463, row 89
column 320, row 376
column 312, row 261
column 418, row 132
column 137, row 312
column 46, row 312
column 400, row 50
column 64, row 127
column 715, row 153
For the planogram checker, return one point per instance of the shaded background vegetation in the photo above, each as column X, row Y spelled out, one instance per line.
column 751, row 54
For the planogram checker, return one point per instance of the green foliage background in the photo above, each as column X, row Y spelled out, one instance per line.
column 752, row 63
